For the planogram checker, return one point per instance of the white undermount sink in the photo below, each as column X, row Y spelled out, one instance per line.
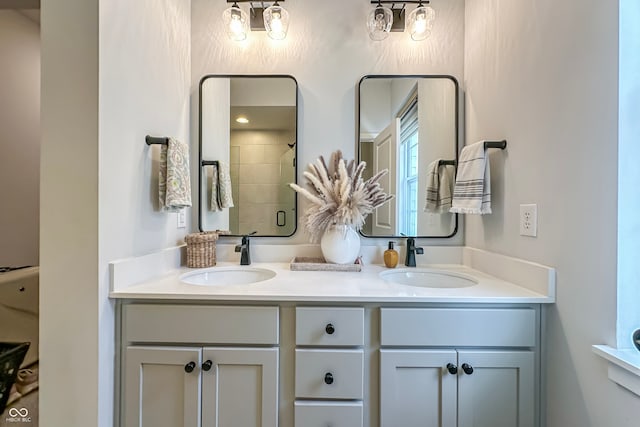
column 220, row 276
column 428, row 278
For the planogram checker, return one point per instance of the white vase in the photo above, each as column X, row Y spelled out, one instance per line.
column 340, row 244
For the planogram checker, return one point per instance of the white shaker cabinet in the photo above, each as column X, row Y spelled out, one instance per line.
column 232, row 383
column 448, row 388
column 491, row 384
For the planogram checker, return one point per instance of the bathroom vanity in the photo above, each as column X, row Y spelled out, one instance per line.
column 329, row 349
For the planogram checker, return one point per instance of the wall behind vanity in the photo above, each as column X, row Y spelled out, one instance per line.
column 327, row 50
column 544, row 75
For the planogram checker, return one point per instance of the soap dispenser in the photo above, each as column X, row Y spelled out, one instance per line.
column 390, row 256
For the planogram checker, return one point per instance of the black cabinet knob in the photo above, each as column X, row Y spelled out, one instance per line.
column 189, row 367
column 329, row 329
column 468, row 369
column 328, row 378
column 453, row 369
column 206, row 366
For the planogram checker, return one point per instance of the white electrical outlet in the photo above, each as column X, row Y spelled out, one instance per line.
column 529, row 220
column 182, row 218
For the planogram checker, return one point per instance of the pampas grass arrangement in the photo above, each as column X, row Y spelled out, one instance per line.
column 339, row 195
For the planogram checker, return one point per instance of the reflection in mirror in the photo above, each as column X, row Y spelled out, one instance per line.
column 248, row 135
column 405, row 124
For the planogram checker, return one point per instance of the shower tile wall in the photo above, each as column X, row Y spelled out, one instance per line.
column 258, row 181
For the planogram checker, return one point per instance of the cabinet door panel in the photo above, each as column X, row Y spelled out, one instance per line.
column 499, row 392
column 416, row 390
column 157, row 390
column 241, row 389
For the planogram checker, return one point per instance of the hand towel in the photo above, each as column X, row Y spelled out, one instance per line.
column 174, row 187
column 439, row 187
column 221, row 194
column 472, row 191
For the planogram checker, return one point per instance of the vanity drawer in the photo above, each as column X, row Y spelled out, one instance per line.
column 330, row 326
column 200, row 324
column 323, row 414
column 458, row 327
column 329, row 374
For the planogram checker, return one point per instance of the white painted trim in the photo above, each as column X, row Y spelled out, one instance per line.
column 530, row 275
column 624, row 366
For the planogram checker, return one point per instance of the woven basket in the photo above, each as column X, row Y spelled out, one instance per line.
column 201, row 249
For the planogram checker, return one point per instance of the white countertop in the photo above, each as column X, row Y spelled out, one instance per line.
column 330, row 286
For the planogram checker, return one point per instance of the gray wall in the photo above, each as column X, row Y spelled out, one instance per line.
column 19, row 139
column 544, row 75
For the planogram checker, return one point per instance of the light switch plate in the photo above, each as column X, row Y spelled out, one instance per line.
column 529, row 220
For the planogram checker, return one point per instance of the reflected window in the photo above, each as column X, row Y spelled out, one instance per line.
column 408, row 167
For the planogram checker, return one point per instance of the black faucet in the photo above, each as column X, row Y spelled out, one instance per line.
column 243, row 248
column 412, row 250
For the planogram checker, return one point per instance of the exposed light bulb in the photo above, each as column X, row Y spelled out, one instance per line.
column 236, row 23
column 379, row 22
column 276, row 21
column 420, row 22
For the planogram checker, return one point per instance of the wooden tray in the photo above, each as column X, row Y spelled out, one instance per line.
column 319, row 264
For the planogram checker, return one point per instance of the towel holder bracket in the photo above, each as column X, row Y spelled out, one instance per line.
column 496, row 144
column 151, row 140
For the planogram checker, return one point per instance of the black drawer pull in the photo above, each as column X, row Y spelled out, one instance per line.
column 453, row 369
column 206, row 366
column 189, row 367
column 468, row 369
column 328, row 378
column 329, row 329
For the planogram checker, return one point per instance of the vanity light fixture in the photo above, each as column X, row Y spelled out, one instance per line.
column 236, row 22
column 379, row 22
column 420, row 22
column 273, row 19
column 383, row 20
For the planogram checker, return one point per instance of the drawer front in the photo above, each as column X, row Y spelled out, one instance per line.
column 463, row 327
column 329, row 374
column 326, row 326
column 200, row 324
column 323, row 414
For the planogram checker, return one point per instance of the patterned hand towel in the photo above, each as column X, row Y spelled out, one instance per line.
column 175, row 183
column 472, row 191
column 439, row 187
column 221, row 194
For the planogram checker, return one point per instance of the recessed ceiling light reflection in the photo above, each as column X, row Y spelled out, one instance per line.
column 242, row 120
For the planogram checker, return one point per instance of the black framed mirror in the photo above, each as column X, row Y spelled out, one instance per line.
column 405, row 124
column 247, row 154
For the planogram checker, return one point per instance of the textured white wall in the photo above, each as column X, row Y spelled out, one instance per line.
column 19, row 139
column 144, row 89
column 327, row 50
column 544, row 75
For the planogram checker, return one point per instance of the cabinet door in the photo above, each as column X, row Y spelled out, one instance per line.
column 158, row 391
column 241, row 389
column 499, row 392
column 416, row 390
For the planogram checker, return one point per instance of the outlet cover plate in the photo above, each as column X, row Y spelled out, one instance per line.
column 529, row 220
column 182, row 218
